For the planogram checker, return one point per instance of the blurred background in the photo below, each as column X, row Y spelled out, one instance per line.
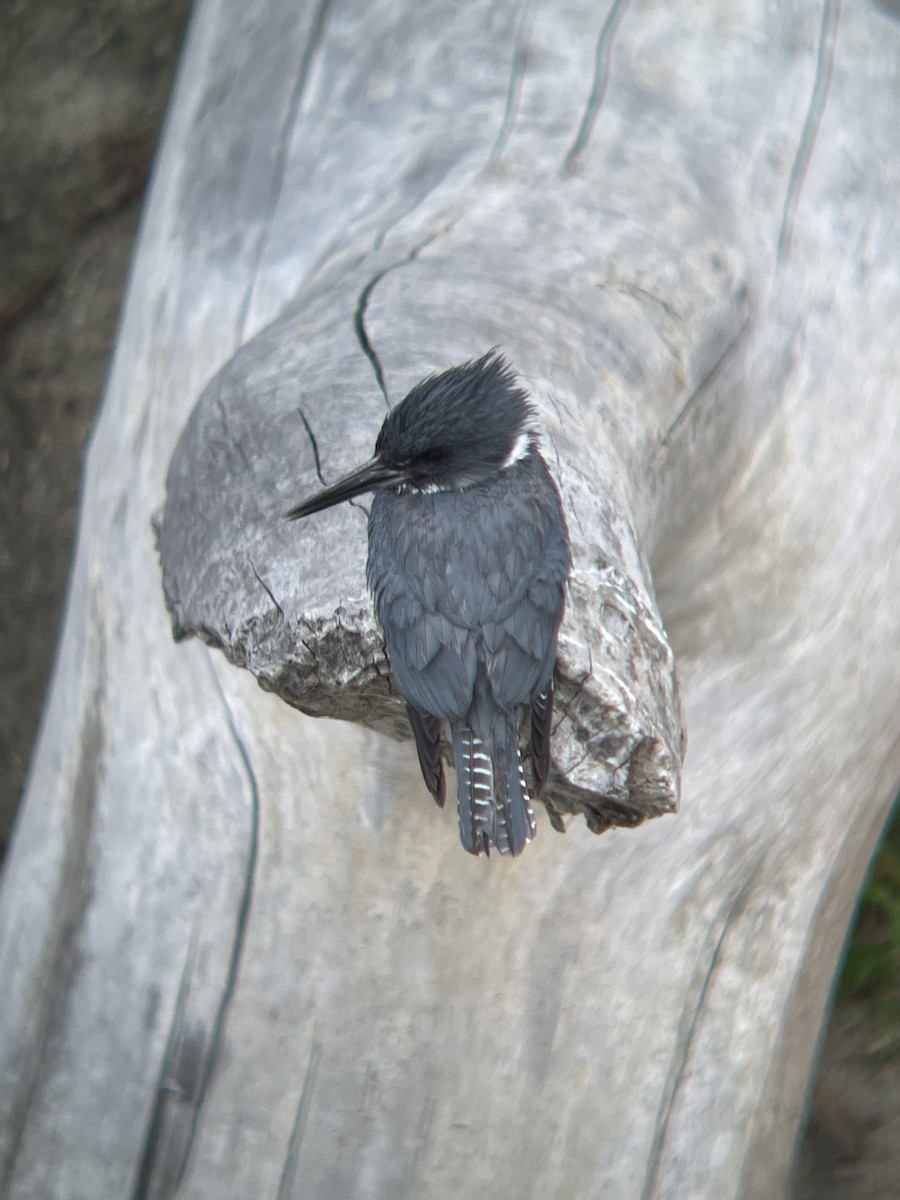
column 83, row 92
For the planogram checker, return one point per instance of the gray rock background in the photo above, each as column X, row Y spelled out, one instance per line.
column 82, row 96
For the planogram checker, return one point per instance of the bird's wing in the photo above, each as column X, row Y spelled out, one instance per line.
column 453, row 590
column 520, row 647
column 541, row 729
column 433, row 659
column 427, row 731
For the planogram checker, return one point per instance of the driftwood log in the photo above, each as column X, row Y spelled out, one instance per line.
column 241, row 953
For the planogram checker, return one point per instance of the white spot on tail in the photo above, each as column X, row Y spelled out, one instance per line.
column 529, row 811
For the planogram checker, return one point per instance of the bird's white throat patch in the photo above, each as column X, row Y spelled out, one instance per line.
column 520, row 448
column 425, row 489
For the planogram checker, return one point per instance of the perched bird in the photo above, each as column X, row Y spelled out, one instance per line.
column 468, row 562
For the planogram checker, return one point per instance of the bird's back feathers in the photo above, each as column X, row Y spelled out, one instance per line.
column 469, row 587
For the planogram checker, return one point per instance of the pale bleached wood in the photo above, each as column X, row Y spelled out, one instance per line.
column 239, row 947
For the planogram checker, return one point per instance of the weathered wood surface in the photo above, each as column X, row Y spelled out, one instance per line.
column 289, row 602
column 241, row 953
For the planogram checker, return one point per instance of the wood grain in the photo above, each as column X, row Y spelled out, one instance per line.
column 242, row 953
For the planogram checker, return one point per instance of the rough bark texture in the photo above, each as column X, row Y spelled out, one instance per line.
column 243, row 955
column 290, row 603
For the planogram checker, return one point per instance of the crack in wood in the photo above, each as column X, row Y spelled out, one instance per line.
column 311, row 651
column 518, row 67
column 359, row 316
column 240, row 930
column 301, row 1117
column 150, row 1150
column 689, row 1026
column 649, row 299
column 314, row 444
column 362, row 335
column 226, row 429
column 707, row 380
column 831, row 15
column 262, row 583
column 565, row 709
column 319, row 475
column 626, row 288
column 598, row 89
column 553, row 446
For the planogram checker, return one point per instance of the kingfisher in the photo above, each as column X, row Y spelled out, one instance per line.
column 468, row 561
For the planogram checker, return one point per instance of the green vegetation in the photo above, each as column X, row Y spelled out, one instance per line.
column 871, row 970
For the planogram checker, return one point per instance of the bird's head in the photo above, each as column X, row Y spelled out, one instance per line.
column 451, row 432
column 458, row 428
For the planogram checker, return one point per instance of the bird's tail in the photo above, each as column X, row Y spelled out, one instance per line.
column 494, row 808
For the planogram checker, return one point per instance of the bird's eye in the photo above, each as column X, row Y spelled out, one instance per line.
column 434, row 454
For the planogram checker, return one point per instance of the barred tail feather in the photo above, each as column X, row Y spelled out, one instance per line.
column 514, row 817
column 494, row 808
column 475, row 791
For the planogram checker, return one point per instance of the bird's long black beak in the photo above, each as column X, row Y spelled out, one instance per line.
column 365, row 479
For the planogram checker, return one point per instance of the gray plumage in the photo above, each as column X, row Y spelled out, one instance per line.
column 468, row 562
